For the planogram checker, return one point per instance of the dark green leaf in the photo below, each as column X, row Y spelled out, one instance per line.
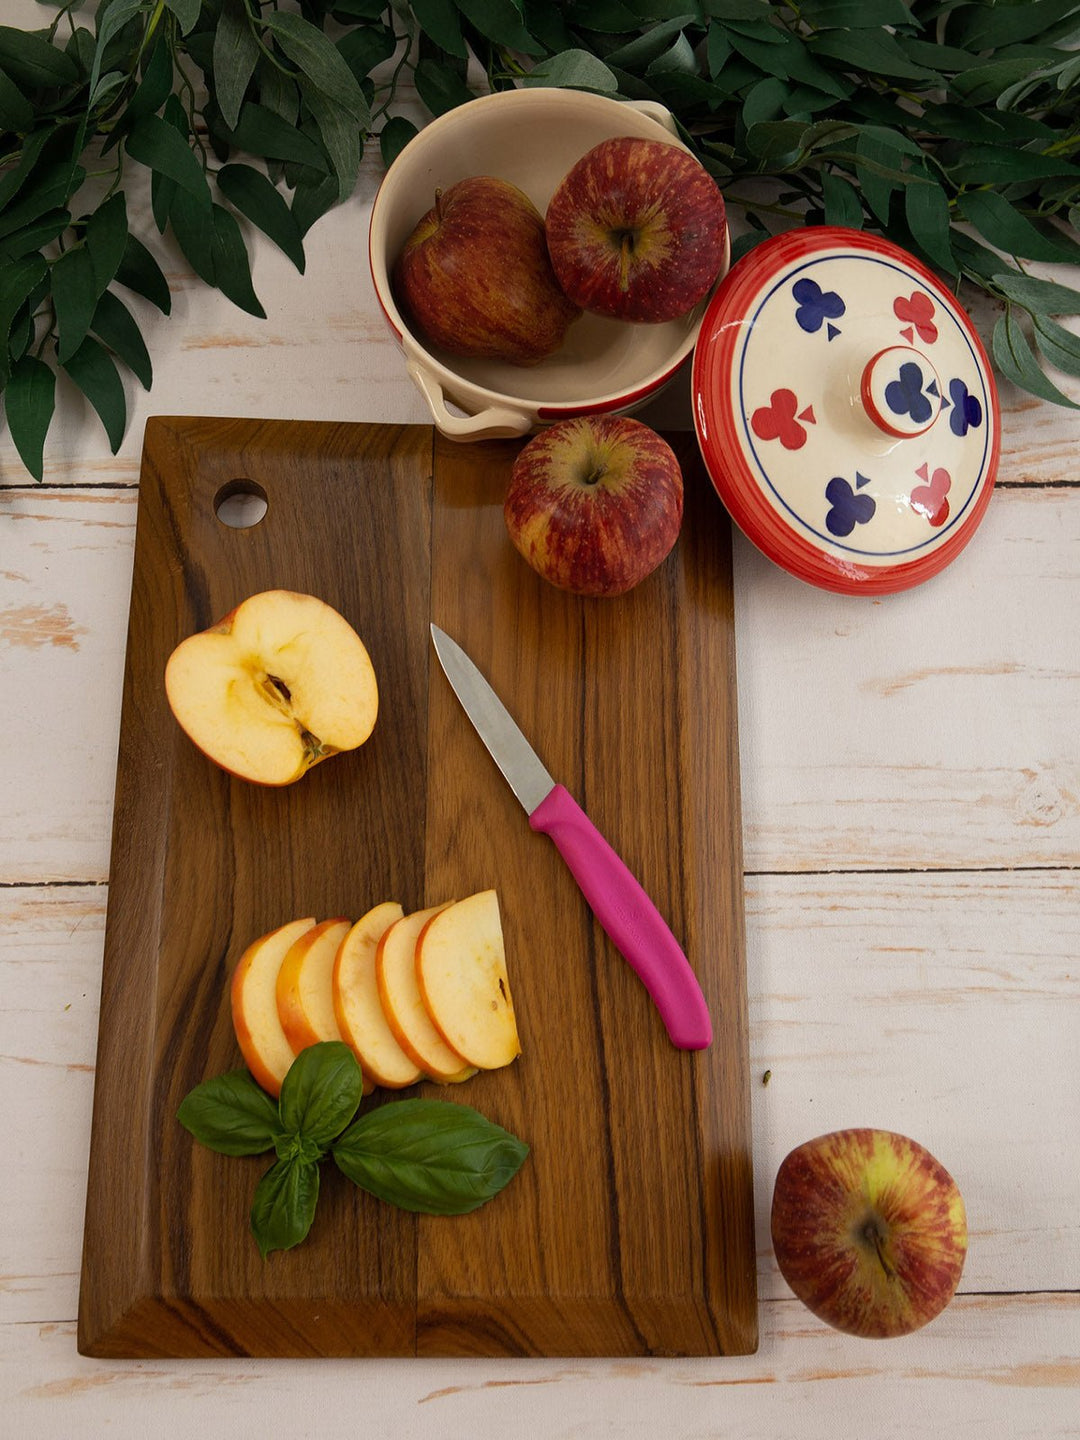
column 232, row 269
column 640, row 52
column 964, row 122
column 80, row 46
column 875, row 159
column 29, row 401
column 875, row 51
column 773, row 140
column 114, row 323
column 311, row 201
column 347, row 11
column 429, row 1155
column 186, row 12
column 156, row 143
column 439, row 19
column 139, row 271
column 284, row 1205
column 231, row 1114
column 678, row 59
column 95, row 374
column 1042, row 297
column 926, row 209
column 73, row 295
column 1060, row 346
column 320, row 1093
column 34, row 236
column 31, row 61
column 364, row 48
column 16, row 176
column 235, row 52
column 607, row 16
column 985, row 27
column 982, row 84
column 1015, row 359
column 16, row 112
column 854, row 14
column 394, row 136
column 254, row 196
column 320, row 61
column 576, row 69
column 340, row 137
column 194, row 232
column 996, row 165
column 261, row 132
column 50, row 189
column 500, row 22
column 1006, row 228
column 842, row 203
column 110, row 22
column 946, row 59
column 764, row 101
column 737, row 9
column 439, row 87
column 106, row 240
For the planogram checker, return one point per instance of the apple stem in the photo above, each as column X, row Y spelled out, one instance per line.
column 438, row 204
column 874, row 1235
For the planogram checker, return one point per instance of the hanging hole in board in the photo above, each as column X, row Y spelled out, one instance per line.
column 240, row 504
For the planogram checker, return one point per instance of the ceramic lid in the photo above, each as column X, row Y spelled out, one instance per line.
column 846, row 410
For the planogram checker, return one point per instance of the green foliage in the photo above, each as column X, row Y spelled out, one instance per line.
column 951, row 126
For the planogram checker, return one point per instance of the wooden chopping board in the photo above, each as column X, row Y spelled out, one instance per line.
column 629, row 1230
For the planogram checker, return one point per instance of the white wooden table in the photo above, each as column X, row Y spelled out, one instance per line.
column 911, row 793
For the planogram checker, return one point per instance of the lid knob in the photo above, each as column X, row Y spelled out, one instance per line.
column 900, row 391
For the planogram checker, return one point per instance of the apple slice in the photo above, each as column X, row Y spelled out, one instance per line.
column 281, row 683
column 461, row 974
column 403, row 1005
column 359, row 1012
column 253, row 994
column 305, row 996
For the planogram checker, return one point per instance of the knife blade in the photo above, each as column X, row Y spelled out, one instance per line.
column 630, row 919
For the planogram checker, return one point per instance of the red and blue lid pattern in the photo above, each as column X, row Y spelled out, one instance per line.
column 846, row 410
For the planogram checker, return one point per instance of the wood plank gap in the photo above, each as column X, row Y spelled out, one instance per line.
column 918, row 870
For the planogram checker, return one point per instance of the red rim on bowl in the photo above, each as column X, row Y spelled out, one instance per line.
column 846, row 410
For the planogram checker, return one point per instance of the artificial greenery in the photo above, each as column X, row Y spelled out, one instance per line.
column 432, row 1156
column 952, row 126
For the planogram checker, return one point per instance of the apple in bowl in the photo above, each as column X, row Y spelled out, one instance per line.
column 281, row 683
column 869, row 1230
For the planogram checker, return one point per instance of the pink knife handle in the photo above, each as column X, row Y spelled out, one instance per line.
column 630, row 918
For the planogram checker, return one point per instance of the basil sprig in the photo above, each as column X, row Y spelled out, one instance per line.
column 432, row 1156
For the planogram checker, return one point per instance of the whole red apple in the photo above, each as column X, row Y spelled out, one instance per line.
column 475, row 277
column 869, row 1231
column 637, row 230
column 595, row 503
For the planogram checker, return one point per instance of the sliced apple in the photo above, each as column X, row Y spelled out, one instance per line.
column 263, row 1043
column 281, row 683
column 359, row 1011
column 305, row 994
column 403, row 1005
column 461, row 975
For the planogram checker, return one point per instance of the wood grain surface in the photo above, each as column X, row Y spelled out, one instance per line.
column 629, row 1232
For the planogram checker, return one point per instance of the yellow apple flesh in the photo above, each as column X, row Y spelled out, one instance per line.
column 359, row 1012
column 263, row 1043
column 403, row 1005
column 461, row 972
column 281, row 683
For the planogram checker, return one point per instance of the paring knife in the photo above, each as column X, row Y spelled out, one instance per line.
column 629, row 917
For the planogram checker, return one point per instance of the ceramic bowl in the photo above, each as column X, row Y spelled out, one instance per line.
column 531, row 138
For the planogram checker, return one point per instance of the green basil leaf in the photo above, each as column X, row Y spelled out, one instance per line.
column 29, row 401
column 439, row 19
column 106, row 240
column 139, row 271
column 500, row 22
column 394, row 136
column 340, row 137
column 320, row 61
column 1060, row 346
column 842, row 203
column 311, row 201
column 321, row 1091
column 34, row 236
column 73, row 295
column 231, row 1114
column 114, row 323
column 236, row 49
column 186, row 12
column 284, row 1205
column 16, row 112
column 440, row 88
column 30, row 60
column 158, row 144
column 1041, row 296
column 1008, row 230
column 1015, row 359
column 261, row 132
column 926, row 210
column 573, row 69
column 254, row 196
column 95, row 374
column 433, row 1156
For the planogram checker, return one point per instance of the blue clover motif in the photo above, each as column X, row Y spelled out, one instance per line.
column 848, row 508
column 905, row 396
column 967, row 412
column 815, row 305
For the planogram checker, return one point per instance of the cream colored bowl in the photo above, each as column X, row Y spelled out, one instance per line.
column 531, row 138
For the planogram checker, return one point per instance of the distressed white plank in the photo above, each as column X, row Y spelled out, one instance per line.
column 997, row 1367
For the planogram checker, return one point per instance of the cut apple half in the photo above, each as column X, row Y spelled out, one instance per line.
column 282, row 682
column 461, row 975
column 403, row 1005
column 263, row 1043
column 305, row 992
column 359, row 1011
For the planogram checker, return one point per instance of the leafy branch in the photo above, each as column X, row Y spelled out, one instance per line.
column 952, row 126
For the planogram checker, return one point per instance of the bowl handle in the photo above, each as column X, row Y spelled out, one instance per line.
column 655, row 111
column 497, row 422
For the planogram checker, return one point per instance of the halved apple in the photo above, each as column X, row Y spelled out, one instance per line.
column 461, row 975
column 403, row 1005
column 253, row 995
column 359, row 1012
column 282, row 682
